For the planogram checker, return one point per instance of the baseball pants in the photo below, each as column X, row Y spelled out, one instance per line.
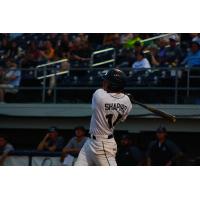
column 98, row 152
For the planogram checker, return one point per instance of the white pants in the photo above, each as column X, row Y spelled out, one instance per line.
column 100, row 152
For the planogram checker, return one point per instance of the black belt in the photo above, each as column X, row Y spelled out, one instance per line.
column 109, row 137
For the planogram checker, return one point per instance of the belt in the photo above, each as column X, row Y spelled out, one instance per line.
column 102, row 137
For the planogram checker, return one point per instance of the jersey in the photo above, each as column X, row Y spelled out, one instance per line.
column 108, row 109
column 161, row 154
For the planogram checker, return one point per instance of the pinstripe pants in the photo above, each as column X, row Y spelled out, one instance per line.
column 100, row 152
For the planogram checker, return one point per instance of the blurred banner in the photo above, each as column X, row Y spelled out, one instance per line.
column 17, row 161
column 32, row 161
column 46, row 161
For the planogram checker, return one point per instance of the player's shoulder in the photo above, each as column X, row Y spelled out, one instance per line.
column 99, row 91
column 100, row 94
column 72, row 140
column 127, row 99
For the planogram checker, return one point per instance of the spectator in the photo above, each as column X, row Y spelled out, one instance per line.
column 58, row 80
column 162, row 151
column 83, row 37
column 53, row 38
column 33, row 52
column 5, row 149
column 173, row 54
column 51, row 142
column 162, row 52
column 63, row 49
column 80, row 51
column 138, row 47
column 12, row 78
column 131, row 42
column 49, row 52
column 4, row 48
column 15, row 50
column 197, row 38
column 128, row 153
column 125, row 37
column 193, row 57
column 96, row 39
column 154, row 59
column 109, row 38
column 1, row 82
column 72, row 149
column 141, row 62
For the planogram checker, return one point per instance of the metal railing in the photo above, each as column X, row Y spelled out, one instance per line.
column 111, row 60
column 158, row 37
column 177, row 74
column 53, row 73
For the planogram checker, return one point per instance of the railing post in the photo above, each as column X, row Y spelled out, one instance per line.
column 55, row 86
column 176, row 87
column 188, row 82
column 114, row 57
column 44, row 85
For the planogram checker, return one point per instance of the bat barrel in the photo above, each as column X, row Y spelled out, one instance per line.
column 157, row 111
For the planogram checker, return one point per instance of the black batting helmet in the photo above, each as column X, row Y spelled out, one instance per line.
column 116, row 80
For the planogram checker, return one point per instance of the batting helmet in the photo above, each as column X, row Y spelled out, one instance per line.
column 116, row 80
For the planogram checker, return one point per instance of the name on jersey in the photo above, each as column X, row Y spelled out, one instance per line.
column 115, row 106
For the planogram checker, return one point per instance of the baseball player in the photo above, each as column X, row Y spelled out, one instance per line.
column 109, row 107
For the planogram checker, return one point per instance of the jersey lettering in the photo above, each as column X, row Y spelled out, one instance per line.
column 115, row 107
column 108, row 111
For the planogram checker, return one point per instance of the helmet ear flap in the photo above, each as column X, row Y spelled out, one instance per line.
column 113, row 87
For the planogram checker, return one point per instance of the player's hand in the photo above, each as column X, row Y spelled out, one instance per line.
column 75, row 150
column 46, row 136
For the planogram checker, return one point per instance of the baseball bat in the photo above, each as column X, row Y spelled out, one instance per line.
column 156, row 111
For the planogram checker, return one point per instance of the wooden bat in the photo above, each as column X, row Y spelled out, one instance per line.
column 156, row 111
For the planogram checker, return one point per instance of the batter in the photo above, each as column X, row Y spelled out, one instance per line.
column 109, row 107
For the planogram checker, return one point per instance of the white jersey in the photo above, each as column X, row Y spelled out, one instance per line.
column 107, row 110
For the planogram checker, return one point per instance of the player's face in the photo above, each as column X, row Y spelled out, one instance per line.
column 79, row 133
column 194, row 48
column 138, row 48
column 139, row 57
column 161, row 135
column 53, row 135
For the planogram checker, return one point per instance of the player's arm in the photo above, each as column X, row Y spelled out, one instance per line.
column 43, row 144
column 69, row 148
column 52, row 148
column 67, row 151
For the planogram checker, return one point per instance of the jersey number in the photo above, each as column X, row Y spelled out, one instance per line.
column 109, row 117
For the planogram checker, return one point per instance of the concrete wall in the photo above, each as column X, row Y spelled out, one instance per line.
column 67, row 116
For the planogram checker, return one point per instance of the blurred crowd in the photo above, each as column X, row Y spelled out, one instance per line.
column 159, row 152
column 133, row 51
